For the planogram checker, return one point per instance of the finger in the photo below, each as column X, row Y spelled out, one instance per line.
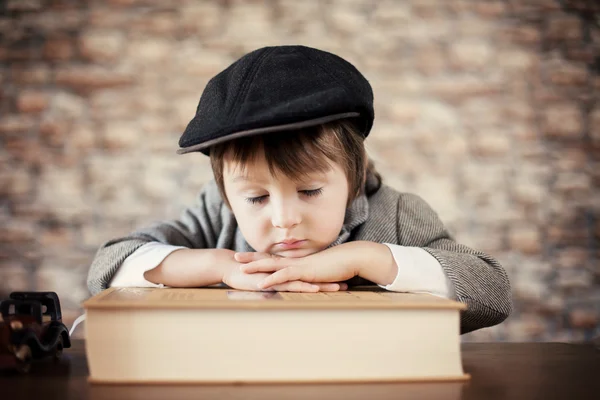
column 295, row 286
column 271, row 264
column 328, row 287
column 250, row 256
column 288, row 274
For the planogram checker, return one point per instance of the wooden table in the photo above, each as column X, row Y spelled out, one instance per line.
column 498, row 371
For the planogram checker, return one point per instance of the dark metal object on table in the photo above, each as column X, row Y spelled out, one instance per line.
column 31, row 329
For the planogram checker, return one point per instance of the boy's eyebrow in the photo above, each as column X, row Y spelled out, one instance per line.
column 245, row 178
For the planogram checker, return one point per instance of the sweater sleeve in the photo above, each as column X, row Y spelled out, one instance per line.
column 198, row 227
column 478, row 280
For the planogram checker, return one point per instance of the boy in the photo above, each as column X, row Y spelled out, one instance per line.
column 295, row 206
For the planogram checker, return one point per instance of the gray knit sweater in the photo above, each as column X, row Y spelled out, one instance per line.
column 382, row 215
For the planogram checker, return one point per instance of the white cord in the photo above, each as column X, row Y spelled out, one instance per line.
column 77, row 321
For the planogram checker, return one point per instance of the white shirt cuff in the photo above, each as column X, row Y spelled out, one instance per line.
column 418, row 272
column 131, row 272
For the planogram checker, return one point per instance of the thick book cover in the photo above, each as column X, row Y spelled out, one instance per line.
column 216, row 335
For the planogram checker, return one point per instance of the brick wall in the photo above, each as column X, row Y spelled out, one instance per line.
column 487, row 109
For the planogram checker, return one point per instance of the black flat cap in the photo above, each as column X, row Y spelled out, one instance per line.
column 277, row 89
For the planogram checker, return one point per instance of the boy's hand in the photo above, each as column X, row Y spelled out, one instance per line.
column 238, row 279
column 372, row 261
column 331, row 265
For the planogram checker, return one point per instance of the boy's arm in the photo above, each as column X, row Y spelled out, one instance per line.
column 417, row 272
column 149, row 256
column 477, row 278
column 198, row 227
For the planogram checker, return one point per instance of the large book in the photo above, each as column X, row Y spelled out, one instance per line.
column 216, row 335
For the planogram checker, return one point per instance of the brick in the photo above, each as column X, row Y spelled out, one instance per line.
column 573, row 182
column 30, row 74
column 32, row 102
column 107, row 18
column 63, row 275
column 18, row 54
column 83, row 138
column 552, row 306
column 121, row 134
column 17, row 232
column 528, row 192
column 564, row 28
column 520, row 34
column 458, row 7
column 383, row 15
column 201, row 18
column 62, row 193
column 64, row 4
column 53, row 131
column 533, row 7
column 25, row 150
column 490, row 9
column 56, row 237
column 427, row 9
column 435, row 30
column 346, row 19
column 567, row 235
column 59, row 48
column 55, row 22
column 479, row 112
column 491, row 144
column 517, row 60
column 527, row 327
column 568, row 74
column 101, row 46
column 473, row 27
column 517, row 109
column 585, row 55
column 595, row 125
column 14, row 276
column 544, row 93
column 102, row 103
column 404, row 112
column 69, row 106
column 23, row 5
column 569, row 160
column 573, row 279
column 258, row 22
column 88, row 79
column 131, row 3
column 562, row 120
column 584, row 318
column 430, row 60
column 461, row 89
column 147, row 51
column 525, row 239
column 573, row 257
column 163, row 23
column 158, row 177
column 16, row 181
column 16, row 123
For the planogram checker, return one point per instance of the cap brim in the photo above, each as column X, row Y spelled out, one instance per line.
column 268, row 129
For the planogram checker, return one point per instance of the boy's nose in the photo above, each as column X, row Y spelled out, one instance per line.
column 285, row 217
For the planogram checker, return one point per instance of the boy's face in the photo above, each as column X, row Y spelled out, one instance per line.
column 280, row 216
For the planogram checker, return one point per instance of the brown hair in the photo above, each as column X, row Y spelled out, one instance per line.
column 298, row 153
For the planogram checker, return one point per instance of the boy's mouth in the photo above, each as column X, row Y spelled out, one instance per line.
column 290, row 244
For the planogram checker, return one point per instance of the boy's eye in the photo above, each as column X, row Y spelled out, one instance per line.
column 256, row 200
column 313, row 192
